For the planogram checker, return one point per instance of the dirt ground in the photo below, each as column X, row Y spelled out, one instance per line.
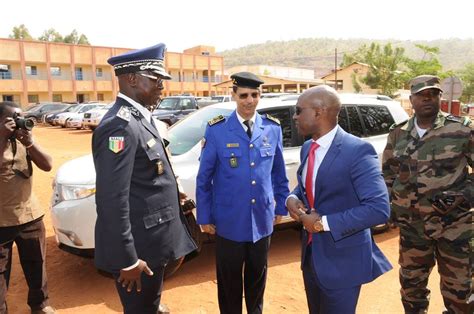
column 76, row 287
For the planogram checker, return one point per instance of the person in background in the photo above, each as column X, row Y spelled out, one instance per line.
column 425, row 165
column 21, row 218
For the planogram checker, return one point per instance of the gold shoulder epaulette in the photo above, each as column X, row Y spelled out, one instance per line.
column 269, row 117
column 393, row 126
column 215, row 120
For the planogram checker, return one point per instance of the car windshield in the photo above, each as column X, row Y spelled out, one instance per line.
column 70, row 108
column 185, row 134
column 168, row 103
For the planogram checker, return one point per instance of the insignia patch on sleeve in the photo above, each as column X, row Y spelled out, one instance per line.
column 116, row 143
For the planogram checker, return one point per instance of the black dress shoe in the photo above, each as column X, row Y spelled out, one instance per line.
column 163, row 309
column 45, row 310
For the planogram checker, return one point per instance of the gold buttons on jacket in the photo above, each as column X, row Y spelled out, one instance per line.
column 253, row 201
column 251, row 145
column 252, row 164
column 254, row 182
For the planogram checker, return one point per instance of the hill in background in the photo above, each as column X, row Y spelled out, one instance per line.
column 318, row 53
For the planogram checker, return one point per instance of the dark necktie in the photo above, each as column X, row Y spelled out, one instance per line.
column 309, row 180
column 248, row 123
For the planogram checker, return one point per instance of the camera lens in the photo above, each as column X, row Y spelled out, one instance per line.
column 26, row 124
column 29, row 124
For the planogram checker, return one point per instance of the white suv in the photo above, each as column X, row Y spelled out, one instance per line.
column 73, row 202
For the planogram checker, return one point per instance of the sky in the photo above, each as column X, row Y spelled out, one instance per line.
column 233, row 24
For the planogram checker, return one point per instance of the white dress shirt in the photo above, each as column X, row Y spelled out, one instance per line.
column 241, row 120
column 324, row 143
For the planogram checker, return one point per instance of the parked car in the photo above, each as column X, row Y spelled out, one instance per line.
column 49, row 117
column 93, row 117
column 77, row 113
column 278, row 95
column 36, row 113
column 174, row 108
column 213, row 100
column 73, row 209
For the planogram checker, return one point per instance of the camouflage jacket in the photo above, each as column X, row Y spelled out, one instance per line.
column 416, row 169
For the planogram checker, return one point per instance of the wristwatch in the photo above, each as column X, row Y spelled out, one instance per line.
column 318, row 225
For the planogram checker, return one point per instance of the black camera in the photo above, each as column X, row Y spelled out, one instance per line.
column 23, row 123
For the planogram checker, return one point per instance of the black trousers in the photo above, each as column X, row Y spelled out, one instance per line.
column 231, row 259
column 31, row 242
column 148, row 299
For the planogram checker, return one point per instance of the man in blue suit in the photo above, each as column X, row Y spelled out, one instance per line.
column 340, row 195
column 241, row 192
column 140, row 226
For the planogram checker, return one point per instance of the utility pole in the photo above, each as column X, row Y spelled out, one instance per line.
column 335, row 69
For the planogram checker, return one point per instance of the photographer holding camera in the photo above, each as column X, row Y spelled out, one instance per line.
column 425, row 165
column 21, row 219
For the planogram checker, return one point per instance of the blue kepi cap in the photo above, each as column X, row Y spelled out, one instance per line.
column 146, row 59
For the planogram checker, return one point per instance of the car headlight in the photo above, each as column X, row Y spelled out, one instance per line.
column 74, row 192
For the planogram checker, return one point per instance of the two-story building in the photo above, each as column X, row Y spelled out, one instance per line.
column 39, row 71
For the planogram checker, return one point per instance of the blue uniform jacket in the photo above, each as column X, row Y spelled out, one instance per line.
column 138, row 212
column 351, row 192
column 242, row 183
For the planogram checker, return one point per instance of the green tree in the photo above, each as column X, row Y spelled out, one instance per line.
column 75, row 38
column 467, row 78
column 51, row 35
column 384, row 67
column 358, row 56
column 428, row 64
column 20, row 32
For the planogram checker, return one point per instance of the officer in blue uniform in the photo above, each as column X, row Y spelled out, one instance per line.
column 241, row 191
column 140, row 226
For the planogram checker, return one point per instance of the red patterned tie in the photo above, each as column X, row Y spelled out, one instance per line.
column 309, row 180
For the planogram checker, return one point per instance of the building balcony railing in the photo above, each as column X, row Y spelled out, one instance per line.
column 39, row 75
column 10, row 75
column 104, row 77
column 63, row 76
column 204, row 79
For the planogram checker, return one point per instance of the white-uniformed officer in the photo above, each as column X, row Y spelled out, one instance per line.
column 140, row 226
column 241, row 191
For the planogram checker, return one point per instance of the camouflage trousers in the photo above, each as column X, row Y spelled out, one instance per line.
column 447, row 241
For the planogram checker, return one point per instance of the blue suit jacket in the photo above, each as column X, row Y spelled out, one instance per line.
column 242, row 183
column 350, row 191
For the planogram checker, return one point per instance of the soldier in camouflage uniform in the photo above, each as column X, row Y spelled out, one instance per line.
column 425, row 165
